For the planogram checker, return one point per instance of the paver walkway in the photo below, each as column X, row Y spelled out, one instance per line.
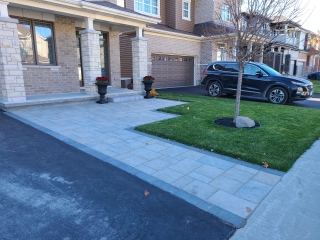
column 223, row 186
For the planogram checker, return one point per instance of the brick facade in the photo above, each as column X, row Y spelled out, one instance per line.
column 45, row 80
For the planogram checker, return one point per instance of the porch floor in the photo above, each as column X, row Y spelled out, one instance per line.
column 113, row 95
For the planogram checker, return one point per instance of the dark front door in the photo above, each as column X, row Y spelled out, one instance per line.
column 252, row 84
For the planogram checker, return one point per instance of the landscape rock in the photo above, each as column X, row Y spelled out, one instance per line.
column 244, row 122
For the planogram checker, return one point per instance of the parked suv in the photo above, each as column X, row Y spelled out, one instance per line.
column 258, row 80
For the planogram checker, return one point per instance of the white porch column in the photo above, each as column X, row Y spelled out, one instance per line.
column 261, row 53
column 272, row 48
column 139, row 59
column 91, row 62
column 11, row 76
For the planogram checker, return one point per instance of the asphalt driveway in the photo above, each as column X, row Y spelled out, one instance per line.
column 51, row 190
column 313, row 102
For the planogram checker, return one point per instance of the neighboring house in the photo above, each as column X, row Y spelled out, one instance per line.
column 61, row 46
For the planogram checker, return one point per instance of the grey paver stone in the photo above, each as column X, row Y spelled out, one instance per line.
column 186, row 166
column 182, row 182
column 147, row 154
column 192, row 155
column 134, row 160
column 173, row 151
column 155, row 147
column 210, row 171
column 267, row 178
column 216, row 162
column 200, row 177
column 146, row 169
column 231, row 203
column 200, row 189
column 157, row 164
column 227, row 184
column 167, row 175
column 239, row 175
column 253, row 191
column 246, row 169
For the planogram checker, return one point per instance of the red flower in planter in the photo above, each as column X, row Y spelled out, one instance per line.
column 102, row 80
column 148, row 78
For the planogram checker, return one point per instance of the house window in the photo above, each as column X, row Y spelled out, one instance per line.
column 186, row 10
column 225, row 16
column 148, row 6
column 221, row 52
column 36, row 42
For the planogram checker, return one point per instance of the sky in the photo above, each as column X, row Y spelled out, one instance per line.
column 313, row 18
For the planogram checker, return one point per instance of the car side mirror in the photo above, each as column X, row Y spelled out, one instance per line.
column 259, row 74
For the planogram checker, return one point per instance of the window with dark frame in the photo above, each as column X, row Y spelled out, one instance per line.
column 36, row 41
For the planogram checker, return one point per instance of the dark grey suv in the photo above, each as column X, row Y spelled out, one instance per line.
column 258, row 80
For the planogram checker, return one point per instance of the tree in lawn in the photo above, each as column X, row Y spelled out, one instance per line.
column 249, row 25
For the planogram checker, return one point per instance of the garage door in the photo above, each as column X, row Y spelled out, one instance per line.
column 172, row 71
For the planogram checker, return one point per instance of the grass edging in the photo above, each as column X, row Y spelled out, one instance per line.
column 286, row 132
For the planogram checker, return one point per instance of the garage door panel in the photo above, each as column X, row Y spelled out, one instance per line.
column 172, row 71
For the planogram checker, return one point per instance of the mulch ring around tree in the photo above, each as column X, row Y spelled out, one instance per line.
column 228, row 122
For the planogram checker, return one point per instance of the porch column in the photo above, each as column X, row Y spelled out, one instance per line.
column 272, row 48
column 261, row 53
column 11, row 76
column 114, row 59
column 139, row 59
column 90, row 56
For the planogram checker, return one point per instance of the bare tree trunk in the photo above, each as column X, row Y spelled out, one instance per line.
column 238, row 96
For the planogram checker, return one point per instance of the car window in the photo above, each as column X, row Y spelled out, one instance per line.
column 231, row 67
column 251, row 69
column 218, row 66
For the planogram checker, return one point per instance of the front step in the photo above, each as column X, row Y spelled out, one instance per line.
column 125, row 98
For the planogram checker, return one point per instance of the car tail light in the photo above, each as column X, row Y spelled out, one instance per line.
column 204, row 74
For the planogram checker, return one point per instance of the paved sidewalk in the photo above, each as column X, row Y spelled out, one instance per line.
column 220, row 185
column 291, row 211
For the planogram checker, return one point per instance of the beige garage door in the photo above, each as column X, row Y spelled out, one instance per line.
column 172, row 71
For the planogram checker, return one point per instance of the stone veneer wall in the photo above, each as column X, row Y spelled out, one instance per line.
column 174, row 46
column 44, row 80
column 114, row 59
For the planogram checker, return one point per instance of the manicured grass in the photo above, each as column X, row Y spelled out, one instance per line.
column 316, row 86
column 286, row 132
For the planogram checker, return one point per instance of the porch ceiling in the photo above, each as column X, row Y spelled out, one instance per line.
column 81, row 9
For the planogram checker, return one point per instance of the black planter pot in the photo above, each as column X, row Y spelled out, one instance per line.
column 147, row 88
column 102, row 90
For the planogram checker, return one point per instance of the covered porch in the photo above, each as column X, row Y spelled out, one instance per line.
column 60, row 47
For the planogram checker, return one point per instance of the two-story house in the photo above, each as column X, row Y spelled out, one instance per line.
column 61, row 46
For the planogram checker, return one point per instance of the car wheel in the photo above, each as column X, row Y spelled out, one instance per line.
column 277, row 95
column 215, row 89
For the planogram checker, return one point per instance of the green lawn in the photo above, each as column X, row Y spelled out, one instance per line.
column 316, row 86
column 286, row 132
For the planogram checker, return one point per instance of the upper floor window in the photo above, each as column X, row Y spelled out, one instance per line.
column 225, row 16
column 186, row 9
column 148, row 6
column 36, row 42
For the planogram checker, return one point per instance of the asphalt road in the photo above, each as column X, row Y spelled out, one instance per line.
column 313, row 102
column 50, row 190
